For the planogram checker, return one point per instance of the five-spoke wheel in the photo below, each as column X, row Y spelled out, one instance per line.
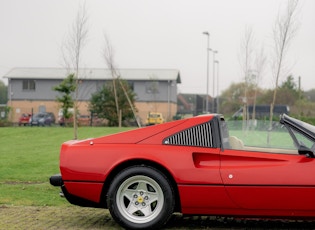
column 141, row 197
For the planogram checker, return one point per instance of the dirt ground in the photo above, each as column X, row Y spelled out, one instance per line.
column 20, row 217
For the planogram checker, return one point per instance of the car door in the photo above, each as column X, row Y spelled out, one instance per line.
column 270, row 178
column 260, row 180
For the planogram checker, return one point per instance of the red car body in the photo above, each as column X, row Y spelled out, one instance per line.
column 204, row 174
column 25, row 119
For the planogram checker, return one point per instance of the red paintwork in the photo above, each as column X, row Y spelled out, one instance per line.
column 209, row 180
column 90, row 191
column 25, row 119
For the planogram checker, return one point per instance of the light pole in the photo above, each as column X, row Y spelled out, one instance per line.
column 168, row 101
column 214, row 52
column 207, row 94
column 218, row 101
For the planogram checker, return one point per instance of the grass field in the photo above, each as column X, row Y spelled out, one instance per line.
column 29, row 156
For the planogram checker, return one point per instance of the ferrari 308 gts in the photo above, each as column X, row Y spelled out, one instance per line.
column 202, row 165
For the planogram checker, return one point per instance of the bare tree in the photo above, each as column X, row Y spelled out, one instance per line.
column 285, row 28
column 72, row 52
column 246, row 62
column 109, row 59
column 108, row 55
column 260, row 66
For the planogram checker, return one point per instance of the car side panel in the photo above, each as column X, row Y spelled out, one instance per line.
column 274, row 197
column 87, row 190
column 92, row 164
column 204, row 199
column 188, row 165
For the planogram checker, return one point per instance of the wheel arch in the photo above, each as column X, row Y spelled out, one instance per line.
column 140, row 162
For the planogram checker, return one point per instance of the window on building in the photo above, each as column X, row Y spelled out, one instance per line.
column 152, row 87
column 131, row 85
column 29, row 85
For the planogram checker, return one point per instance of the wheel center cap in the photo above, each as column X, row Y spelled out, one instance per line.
column 140, row 199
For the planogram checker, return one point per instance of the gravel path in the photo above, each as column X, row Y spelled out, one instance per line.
column 21, row 217
column 17, row 217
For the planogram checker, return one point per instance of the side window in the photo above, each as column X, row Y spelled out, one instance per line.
column 224, row 134
column 258, row 137
column 303, row 140
column 199, row 136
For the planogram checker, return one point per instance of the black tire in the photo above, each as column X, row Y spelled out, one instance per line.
column 141, row 197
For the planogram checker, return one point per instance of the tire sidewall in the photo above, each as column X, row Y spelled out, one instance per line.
column 158, row 177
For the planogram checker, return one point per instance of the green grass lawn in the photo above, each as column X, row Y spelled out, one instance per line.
column 29, row 156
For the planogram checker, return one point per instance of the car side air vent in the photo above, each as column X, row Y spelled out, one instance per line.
column 200, row 136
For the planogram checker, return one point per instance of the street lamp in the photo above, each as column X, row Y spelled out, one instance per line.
column 214, row 53
column 218, row 102
column 207, row 94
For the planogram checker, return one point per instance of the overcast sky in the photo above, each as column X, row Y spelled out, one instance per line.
column 164, row 34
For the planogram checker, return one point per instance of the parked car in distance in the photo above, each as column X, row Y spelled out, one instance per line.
column 154, row 118
column 61, row 119
column 25, row 119
column 42, row 119
column 82, row 120
column 202, row 165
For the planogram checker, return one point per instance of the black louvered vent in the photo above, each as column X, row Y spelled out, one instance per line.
column 197, row 136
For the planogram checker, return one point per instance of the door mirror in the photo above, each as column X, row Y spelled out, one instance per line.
column 303, row 150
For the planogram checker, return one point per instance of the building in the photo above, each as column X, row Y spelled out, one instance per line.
column 193, row 104
column 30, row 90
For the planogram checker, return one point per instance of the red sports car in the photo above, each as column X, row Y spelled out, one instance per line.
column 201, row 166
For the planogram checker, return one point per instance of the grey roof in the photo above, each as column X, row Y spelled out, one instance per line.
column 94, row 74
